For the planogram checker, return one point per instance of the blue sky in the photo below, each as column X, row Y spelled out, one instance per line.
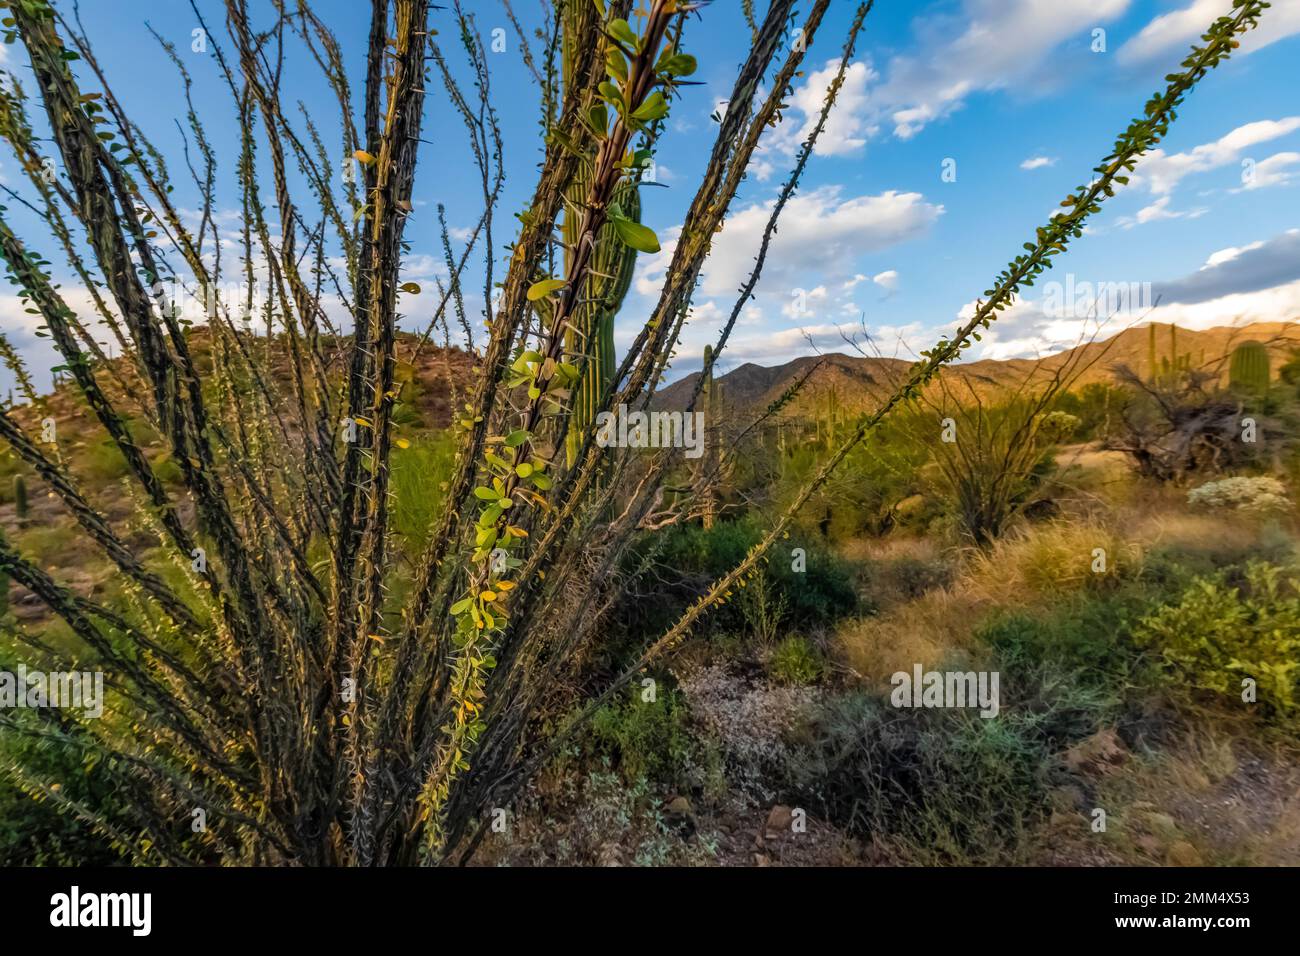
column 1010, row 94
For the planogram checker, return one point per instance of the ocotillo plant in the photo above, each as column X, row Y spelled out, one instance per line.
column 1248, row 369
column 324, row 702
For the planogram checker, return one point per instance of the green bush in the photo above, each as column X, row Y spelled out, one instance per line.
column 933, row 786
column 795, row 661
column 1074, row 669
column 815, row 596
column 647, row 739
column 39, row 833
column 1093, row 405
column 863, row 494
column 1220, row 632
column 101, row 461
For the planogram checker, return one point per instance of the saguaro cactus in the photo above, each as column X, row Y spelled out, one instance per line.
column 709, row 406
column 831, row 412
column 1249, row 367
column 612, row 261
column 1167, row 368
column 20, row 497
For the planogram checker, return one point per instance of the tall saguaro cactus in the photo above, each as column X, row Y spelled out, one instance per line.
column 20, row 498
column 612, row 261
column 1249, row 367
column 710, row 406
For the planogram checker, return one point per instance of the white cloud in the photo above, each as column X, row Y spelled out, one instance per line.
column 1038, row 162
column 848, row 127
column 1272, row 171
column 1174, row 32
column 1161, row 172
column 985, row 45
column 1228, row 254
column 803, row 301
column 38, row 353
column 988, row 45
column 1157, row 211
column 887, row 280
column 821, row 233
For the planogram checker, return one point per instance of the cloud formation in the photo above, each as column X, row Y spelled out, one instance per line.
column 820, row 237
column 1173, row 32
column 1161, row 172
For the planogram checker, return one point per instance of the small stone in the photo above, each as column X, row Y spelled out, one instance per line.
column 778, row 822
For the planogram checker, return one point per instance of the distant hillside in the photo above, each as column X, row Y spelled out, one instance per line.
column 859, row 382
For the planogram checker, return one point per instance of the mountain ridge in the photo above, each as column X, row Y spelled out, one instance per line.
column 858, row 381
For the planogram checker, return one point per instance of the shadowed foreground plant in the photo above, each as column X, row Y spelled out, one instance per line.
column 321, row 700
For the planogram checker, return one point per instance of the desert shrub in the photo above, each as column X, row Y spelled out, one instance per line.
column 1075, row 669
column 864, row 496
column 686, row 558
column 101, row 461
column 165, row 467
column 1220, row 632
column 646, row 739
column 751, row 720
column 1093, row 406
column 998, row 461
column 1259, row 496
column 764, row 607
column 1199, row 545
column 605, row 820
column 932, row 786
column 58, row 544
column 907, row 577
column 1059, row 426
column 795, row 661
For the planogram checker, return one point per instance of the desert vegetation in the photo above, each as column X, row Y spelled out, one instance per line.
column 363, row 595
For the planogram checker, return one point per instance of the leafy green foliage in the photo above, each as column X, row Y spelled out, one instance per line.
column 40, row 833
column 932, row 787
column 689, row 555
column 796, row 661
column 648, row 739
column 1221, row 632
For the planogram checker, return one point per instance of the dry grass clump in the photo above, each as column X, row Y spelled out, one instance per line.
column 924, row 631
column 1050, row 559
